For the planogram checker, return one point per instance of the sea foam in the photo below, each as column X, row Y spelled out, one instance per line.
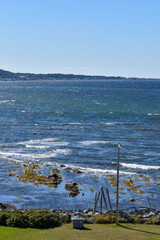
column 138, row 166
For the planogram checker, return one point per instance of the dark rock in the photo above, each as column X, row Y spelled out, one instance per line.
column 54, row 175
column 68, row 169
column 157, row 221
column 131, row 200
column 62, row 165
column 5, row 206
column 90, row 219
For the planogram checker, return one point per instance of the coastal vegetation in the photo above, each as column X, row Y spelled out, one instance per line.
column 33, row 218
column 29, row 218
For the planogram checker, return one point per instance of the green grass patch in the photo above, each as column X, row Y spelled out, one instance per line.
column 90, row 232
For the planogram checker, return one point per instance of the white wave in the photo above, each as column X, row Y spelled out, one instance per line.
column 135, row 166
column 119, row 123
column 88, row 142
column 108, row 123
column 37, row 147
column 75, row 124
column 32, row 156
column 4, row 101
column 153, row 114
column 43, row 143
column 63, row 151
column 89, row 170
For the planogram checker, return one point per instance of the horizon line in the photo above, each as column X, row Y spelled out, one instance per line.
column 76, row 74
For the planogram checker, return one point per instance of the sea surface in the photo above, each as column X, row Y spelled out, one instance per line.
column 71, row 125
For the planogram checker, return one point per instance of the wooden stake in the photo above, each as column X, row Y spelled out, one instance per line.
column 101, row 203
column 109, row 200
column 149, row 202
column 95, row 202
column 104, row 198
column 117, row 197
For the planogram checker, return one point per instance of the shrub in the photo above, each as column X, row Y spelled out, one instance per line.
column 112, row 219
column 3, row 218
column 123, row 220
column 16, row 220
column 151, row 220
column 104, row 219
column 139, row 219
column 65, row 219
column 29, row 218
column 43, row 219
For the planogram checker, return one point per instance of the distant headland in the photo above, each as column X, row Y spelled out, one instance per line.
column 11, row 76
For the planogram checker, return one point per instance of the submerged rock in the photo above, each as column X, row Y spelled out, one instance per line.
column 74, row 170
column 73, row 189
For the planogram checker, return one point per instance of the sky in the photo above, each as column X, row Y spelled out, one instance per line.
column 92, row 37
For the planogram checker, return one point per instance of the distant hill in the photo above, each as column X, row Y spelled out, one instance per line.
column 10, row 76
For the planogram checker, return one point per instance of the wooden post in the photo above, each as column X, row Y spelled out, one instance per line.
column 95, row 202
column 104, row 198
column 101, row 203
column 117, row 197
column 149, row 202
column 109, row 200
column 135, row 208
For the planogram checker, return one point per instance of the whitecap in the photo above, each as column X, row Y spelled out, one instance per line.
column 89, row 142
column 75, row 124
column 43, row 143
column 153, row 114
column 33, row 156
column 90, row 170
column 4, row 101
column 138, row 166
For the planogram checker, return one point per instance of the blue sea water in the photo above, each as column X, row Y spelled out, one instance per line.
column 79, row 124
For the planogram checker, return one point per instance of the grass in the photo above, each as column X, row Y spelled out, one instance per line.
column 90, row 232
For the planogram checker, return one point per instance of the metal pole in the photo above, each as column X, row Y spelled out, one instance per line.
column 117, row 197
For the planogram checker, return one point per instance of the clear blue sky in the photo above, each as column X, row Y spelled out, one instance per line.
column 99, row 37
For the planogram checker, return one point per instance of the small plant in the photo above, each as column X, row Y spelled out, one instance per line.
column 151, row 220
column 139, row 219
column 106, row 219
column 65, row 219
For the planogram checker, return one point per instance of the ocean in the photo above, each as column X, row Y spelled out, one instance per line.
column 75, row 127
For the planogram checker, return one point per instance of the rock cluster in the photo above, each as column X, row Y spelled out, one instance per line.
column 72, row 188
column 55, row 177
column 5, row 206
column 74, row 170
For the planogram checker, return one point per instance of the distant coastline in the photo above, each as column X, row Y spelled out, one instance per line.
column 11, row 76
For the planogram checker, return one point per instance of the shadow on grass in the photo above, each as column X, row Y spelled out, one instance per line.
column 138, row 230
column 84, row 228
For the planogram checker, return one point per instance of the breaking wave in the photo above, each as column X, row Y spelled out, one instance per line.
column 138, row 166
